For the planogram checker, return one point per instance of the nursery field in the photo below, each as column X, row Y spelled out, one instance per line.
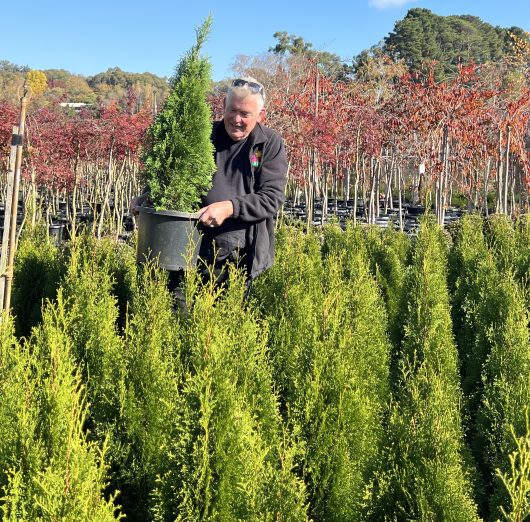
column 370, row 376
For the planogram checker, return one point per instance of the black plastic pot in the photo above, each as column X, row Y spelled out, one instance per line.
column 415, row 210
column 56, row 231
column 169, row 237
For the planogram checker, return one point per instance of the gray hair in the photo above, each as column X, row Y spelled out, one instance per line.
column 245, row 90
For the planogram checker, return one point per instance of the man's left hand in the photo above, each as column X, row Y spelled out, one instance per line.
column 215, row 214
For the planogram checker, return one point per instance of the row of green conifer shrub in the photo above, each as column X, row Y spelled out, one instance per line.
column 490, row 281
column 370, row 376
column 181, row 409
column 331, row 366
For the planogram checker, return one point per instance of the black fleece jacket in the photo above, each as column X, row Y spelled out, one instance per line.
column 252, row 175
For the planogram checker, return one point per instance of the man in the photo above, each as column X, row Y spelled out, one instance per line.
column 237, row 217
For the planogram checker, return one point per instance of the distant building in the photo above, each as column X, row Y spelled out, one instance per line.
column 77, row 106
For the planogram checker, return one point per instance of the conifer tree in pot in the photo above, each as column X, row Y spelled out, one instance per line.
column 178, row 162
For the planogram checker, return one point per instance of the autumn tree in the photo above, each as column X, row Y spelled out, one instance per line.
column 37, row 82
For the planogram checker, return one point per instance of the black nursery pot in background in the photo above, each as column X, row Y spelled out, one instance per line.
column 56, row 231
column 169, row 237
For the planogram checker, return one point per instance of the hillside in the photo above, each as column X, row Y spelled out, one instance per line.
column 113, row 85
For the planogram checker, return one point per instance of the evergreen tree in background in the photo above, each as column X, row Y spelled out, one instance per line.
column 423, row 36
column 329, row 64
column 285, row 406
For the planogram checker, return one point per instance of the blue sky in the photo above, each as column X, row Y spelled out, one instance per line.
column 89, row 37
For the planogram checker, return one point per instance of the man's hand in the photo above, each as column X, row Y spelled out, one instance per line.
column 214, row 215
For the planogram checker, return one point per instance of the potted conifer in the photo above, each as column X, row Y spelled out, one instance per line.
column 178, row 163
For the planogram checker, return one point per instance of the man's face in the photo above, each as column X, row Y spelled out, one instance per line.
column 241, row 115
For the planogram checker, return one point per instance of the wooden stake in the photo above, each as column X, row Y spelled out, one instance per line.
column 14, row 200
column 7, row 215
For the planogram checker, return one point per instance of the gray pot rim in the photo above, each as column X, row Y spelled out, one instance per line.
column 173, row 213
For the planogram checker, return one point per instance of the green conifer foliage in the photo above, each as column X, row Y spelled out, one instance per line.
column 38, row 268
column 152, row 386
column 71, row 486
column 427, row 476
column 516, row 479
column 92, row 315
column 116, row 259
column 228, row 459
column 290, row 295
column 334, row 239
column 69, row 478
column 388, row 251
column 21, row 450
column 179, row 160
column 120, row 262
column 500, row 238
column 468, row 252
column 330, row 341
column 506, row 381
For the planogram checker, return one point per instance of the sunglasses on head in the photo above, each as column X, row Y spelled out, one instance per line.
column 254, row 87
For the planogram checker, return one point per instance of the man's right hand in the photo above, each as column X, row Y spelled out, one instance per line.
column 215, row 214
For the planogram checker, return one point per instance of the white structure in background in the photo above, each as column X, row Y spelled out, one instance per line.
column 74, row 105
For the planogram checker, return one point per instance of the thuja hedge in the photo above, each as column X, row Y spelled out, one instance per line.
column 330, row 353
column 427, row 476
column 369, row 376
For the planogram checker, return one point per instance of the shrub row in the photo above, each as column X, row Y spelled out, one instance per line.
column 369, row 376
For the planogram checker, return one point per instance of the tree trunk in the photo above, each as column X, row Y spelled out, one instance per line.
column 507, row 169
column 500, row 191
column 400, row 206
